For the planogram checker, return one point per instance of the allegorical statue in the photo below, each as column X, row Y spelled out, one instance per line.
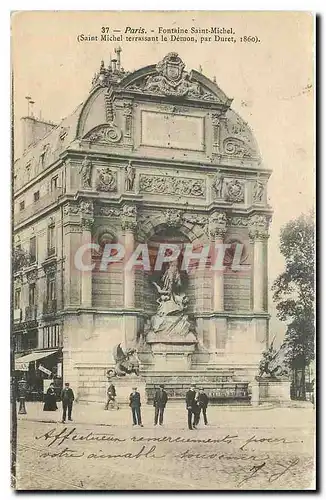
column 218, row 184
column 130, row 173
column 272, row 363
column 258, row 190
column 86, row 173
column 125, row 362
column 170, row 319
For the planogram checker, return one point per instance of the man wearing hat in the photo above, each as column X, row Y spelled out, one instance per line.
column 192, row 408
column 159, row 403
column 135, row 404
column 67, row 398
column 202, row 400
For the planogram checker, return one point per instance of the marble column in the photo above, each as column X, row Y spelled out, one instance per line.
column 217, row 230
column 129, row 225
column 86, row 276
column 258, row 233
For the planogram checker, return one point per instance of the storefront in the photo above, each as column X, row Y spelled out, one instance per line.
column 39, row 368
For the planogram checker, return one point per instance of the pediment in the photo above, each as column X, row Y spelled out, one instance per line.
column 169, row 78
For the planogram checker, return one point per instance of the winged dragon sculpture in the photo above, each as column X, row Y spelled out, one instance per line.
column 125, row 362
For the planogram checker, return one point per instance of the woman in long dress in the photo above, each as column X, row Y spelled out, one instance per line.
column 50, row 400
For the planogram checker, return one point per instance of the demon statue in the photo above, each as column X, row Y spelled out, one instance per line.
column 125, row 362
column 273, row 363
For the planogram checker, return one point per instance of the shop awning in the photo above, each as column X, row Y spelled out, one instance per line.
column 23, row 362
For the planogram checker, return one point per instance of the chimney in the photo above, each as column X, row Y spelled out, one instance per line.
column 114, row 65
column 34, row 129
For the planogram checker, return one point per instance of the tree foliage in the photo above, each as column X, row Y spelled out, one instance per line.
column 294, row 290
column 20, row 259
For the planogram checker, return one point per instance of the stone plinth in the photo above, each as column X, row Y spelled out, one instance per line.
column 172, row 353
column 124, row 385
column 269, row 389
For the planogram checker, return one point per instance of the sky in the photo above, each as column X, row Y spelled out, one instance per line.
column 271, row 83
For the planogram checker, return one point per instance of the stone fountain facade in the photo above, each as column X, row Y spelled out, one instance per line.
column 159, row 156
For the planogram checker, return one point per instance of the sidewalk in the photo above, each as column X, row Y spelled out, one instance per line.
column 175, row 416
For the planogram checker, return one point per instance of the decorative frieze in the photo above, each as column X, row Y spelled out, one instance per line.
column 108, row 211
column 239, row 221
column 31, row 276
column 168, row 185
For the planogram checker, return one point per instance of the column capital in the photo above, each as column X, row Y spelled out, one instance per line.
column 217, row 225
column 258, row 226
column 129, row 218
column 87, row 223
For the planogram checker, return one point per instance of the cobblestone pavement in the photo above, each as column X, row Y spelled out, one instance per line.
column 241, row 448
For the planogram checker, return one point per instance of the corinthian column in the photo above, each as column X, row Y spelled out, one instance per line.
column 258, row 233
column 217, row 230
column 86, row 275
column 129, row 224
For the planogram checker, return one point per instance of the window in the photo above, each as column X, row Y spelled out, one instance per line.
column 51, row 239
column 54, row 183
column 17, row 298
column 22, row 205
column 36, row 196
column 51, row 289
column 32, row 249
column 51, row 336
column 32, row 295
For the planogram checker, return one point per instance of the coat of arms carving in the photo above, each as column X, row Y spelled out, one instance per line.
column 106, row 180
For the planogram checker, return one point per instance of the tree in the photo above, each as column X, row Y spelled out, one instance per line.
column 20, row 259
column 294, row 294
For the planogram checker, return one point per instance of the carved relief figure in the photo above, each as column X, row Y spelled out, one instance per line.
column 130, row 173
column 106, row 180
column 218, row 184
column 86, row 173
column 258, row 190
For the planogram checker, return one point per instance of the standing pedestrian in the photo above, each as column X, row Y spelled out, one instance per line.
column 159, row 403
column 135, row 404
column 202, row 399
column 192, row 408
column 67, row 398
column 50, row 399
column 111, row 394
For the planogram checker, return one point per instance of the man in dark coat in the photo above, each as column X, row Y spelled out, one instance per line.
column 111, row 393
column 159, row 403
column 67, row 398
column 135, row 404
column 192, row 407
column 202, row 400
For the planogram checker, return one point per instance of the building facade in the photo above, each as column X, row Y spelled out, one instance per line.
column 153, row 156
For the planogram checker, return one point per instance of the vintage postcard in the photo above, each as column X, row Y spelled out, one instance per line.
column 163, row 321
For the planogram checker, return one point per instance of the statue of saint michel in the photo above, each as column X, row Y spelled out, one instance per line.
column 171, row 319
